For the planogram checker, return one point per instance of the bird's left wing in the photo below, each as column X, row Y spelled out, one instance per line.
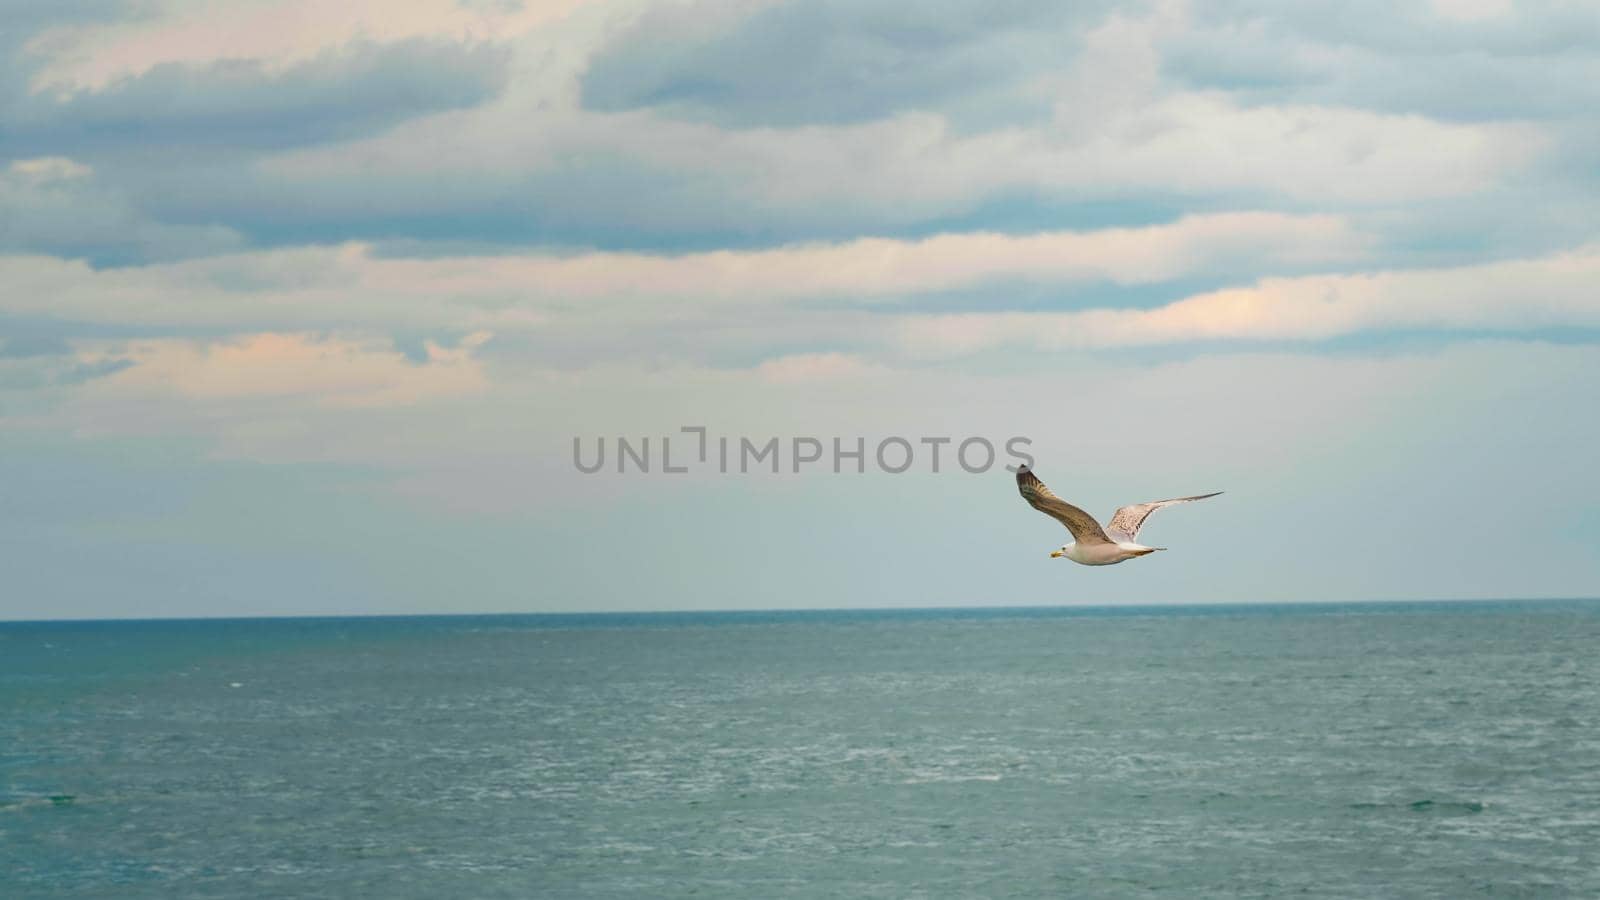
column 1127, row 521
column 1085, row 530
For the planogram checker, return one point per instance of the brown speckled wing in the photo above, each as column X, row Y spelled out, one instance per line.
column 1085, row 530
column 1127, row 521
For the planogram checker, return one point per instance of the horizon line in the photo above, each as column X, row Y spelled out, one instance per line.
column 1092, row 606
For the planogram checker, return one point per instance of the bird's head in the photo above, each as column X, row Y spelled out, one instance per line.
column 1057, row 554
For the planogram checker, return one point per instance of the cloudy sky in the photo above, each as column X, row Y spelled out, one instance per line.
column 302, row 305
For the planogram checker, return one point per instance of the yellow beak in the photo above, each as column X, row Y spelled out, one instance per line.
column 1056, row 553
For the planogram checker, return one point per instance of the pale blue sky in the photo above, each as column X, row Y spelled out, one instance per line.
column 302, row 306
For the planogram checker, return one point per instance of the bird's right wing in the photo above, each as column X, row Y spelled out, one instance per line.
column 1085, row 530
column 1126, row 521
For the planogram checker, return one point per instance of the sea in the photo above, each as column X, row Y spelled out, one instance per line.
column 1443, row 749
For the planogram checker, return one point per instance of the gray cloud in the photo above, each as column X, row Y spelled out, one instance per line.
column 173, row 128
column 703, row 125
column 828, row 62
column 24, row 18
column 29, row 345
column 237, row 104
column 58, row 207
column 32, row 368
column 86, row 372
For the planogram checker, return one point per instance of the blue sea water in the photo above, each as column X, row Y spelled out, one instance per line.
column 1419, row 750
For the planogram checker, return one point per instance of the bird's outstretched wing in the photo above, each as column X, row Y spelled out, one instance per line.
column 1085, row 530
column 1127, row 521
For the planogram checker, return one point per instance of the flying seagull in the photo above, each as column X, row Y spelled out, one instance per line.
column 1093, row 545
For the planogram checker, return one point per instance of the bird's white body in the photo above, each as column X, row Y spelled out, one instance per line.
column 1104, row 554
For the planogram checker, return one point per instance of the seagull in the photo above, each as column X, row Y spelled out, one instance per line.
column 1093, row 545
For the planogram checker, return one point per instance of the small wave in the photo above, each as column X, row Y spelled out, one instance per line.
column 939, row 779
column 1434, row 807
column 1448, row 806
column 49, row 800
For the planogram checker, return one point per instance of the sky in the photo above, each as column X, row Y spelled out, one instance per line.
column 305, row 307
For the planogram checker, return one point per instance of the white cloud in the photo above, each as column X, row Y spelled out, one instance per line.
column 297, row 289
column 884, row 267
column 1555, row 291
column 1096, row 125
column 49, row 168
column 731, row 304
column 1471, row 10
column 639, row 172
column 322, row 371
column 91, row 56
column 1206, row 143
column 1118, row 130
column 333, row 286
column 805, row 367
